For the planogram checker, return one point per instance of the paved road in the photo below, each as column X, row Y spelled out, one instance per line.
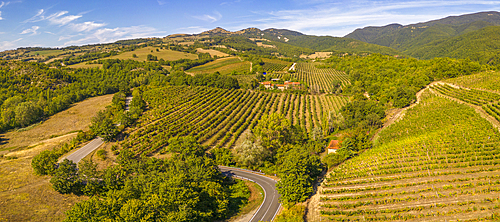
column 94, row 144
column 84, row 151
column 270, row 206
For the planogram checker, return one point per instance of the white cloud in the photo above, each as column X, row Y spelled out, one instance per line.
column 32, row 30
column 2, row 5
column 209, row 18
column 38, row 17
column 7, row 45
column 106, row 35
column 161, row 2
column 86, row 26
column 59, row 18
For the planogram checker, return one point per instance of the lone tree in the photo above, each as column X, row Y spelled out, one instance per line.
column 44, row 163
column 66, row 179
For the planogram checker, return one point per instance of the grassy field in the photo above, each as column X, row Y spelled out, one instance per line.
column 212, row 52
column 216, row 64
column 224, row 66
column 439, row 163
column 486, row 80
column 165, row 54
column 84, row 65
column 25, row 196
column 46, row 53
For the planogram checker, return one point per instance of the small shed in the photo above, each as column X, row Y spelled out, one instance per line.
column 333, row 146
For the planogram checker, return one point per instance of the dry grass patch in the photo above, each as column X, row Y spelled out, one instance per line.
column 75, row 118
column 223, row 66
column 317, row 55
column 164, row 54
column 25, row 196
column 212, row 52
column 85, row 65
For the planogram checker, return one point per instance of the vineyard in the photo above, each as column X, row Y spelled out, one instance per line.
column 274, row 67
column 489, row 101
column 318, row 80
column 440, row 162
column 484, row 80
column 218, row 117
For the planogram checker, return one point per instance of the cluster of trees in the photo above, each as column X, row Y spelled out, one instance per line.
column 212, row 80
column 82, row 58
column 45, row 163
column 395, row 81
column 186, row 187
column 30, row 92
column 108, row 123
column 277, row 146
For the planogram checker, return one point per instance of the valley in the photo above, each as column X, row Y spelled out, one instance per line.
column 389, row 123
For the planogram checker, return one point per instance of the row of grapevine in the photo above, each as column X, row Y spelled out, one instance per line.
column 441, row 162
column 218, row 117
column 274, row 67
column 472, row 96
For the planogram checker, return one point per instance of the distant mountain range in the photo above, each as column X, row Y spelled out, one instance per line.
column 475, row 36
column 472, row 36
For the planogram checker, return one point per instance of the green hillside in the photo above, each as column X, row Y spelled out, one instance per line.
column 439, row 163
column 386, row 35
column 482, row 45
column 328, row 43
column 415, row 39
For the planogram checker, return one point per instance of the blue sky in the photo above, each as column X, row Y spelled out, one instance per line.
column 51, row 23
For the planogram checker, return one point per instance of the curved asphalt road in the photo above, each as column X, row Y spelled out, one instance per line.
column 84, row 151
column 270, row 206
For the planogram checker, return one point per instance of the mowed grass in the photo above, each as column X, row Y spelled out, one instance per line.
column 223, row 66
column 165, row 54
column 25, row 196
column 75, row 118
column 85, row 65
column 485, row 80
column 46, row 52
column 212, row 52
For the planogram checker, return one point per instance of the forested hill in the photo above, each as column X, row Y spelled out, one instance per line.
column 467, row 36
column 328, row 43
column 289, row 39
column 398, row 36
column 482, row 45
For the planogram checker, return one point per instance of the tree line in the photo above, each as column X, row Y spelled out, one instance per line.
column 30, row 92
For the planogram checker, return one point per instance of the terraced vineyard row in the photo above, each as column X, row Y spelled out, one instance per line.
column 218, row 117
column 319, row 80
column 472, row 96
column 440, row 163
